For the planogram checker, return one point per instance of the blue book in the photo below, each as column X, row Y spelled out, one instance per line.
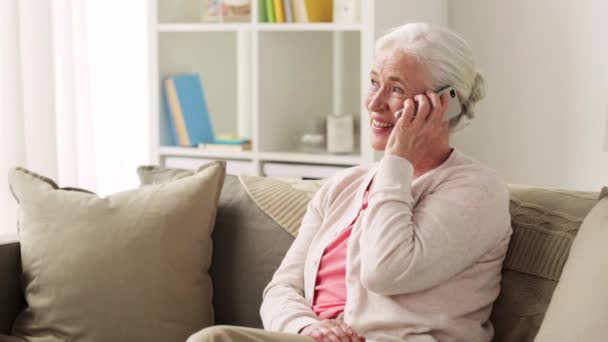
column 187, row 109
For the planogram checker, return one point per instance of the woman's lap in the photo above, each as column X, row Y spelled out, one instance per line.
column 227, row 333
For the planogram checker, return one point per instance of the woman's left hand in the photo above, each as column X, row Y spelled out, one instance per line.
column 417, row 135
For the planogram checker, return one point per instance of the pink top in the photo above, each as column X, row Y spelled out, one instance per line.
column 330, row 287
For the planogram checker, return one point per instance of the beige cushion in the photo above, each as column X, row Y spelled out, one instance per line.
column 579, row 307
column 128, row 267
column 248, row 245
column 545, row 223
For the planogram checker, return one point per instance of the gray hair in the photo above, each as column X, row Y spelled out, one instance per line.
column 447, row 59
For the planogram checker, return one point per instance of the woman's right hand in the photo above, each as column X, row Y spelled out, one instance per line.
column 332, row 330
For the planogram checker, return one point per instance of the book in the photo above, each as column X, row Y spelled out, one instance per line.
column 270, row 11
column 288, row 11
column 168, row 119
column 187, row 110
column 319, row 10
column 263, row 17
column 299, row 9
column 279, row 12
column 214, row 147
column 231, row 141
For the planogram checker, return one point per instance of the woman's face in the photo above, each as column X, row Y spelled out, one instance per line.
column 395, row 77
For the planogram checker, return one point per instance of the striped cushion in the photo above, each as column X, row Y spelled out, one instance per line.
column 285, row 201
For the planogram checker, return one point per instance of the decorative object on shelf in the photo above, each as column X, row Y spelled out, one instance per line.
column 187, row 111
column 237, row 10
column 312, row 143
column 346, row 11
column 340, row 133
column 211, row 10
column 311, row 136
column 226, row 10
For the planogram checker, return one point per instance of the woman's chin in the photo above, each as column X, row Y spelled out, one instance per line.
column 379, row 139
column 378, row 144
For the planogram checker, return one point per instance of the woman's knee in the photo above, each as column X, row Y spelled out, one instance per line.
column 216, row 333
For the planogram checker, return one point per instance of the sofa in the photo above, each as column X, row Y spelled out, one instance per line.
column 250, row 240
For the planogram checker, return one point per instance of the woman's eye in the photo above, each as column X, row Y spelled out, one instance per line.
column 398, row 90
column 375, row 84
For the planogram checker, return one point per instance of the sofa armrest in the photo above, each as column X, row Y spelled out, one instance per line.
column 11, row 297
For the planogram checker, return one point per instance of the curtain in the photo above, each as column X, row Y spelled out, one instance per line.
column 74, row 94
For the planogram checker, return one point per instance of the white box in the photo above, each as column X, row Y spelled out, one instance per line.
column 299, row 171
column 233, row 167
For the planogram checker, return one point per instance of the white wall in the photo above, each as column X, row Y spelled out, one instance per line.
column 545, row 116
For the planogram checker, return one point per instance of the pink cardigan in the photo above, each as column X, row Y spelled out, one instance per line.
column 424, row 259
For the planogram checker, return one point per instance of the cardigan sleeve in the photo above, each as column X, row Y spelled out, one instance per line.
column 284, row 307
column 408, row 247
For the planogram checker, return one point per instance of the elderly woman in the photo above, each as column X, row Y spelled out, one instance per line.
column 409, row 248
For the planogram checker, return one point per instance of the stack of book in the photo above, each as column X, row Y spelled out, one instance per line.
column 188, row 116
column 296, row 11
column 228, row 144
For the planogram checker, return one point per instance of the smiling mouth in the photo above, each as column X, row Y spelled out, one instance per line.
column 379, row 124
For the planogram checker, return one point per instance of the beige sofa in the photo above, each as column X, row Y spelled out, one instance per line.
column 249, row 245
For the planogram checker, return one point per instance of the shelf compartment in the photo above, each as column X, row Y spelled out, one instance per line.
column 214, row 56
column 306, row 77
column 193, row 152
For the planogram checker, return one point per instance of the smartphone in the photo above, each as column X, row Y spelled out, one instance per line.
column 454, row 107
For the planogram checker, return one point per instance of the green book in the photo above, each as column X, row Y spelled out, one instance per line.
column 262, row 17
column 270, row 11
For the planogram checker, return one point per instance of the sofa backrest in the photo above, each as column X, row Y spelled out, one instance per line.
column 544, row 223
column 249, row 246
column 11, row 296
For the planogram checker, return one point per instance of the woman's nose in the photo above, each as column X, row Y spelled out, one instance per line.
column 377, row 103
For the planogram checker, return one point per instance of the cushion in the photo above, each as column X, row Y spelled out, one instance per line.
column 544, row 223
column 248, row 244
column 132, row 266
column 579, row 307
column 283, row 200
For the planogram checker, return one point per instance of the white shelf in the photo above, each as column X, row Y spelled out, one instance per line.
column 271, row 82
column 167, row 151
column 288, row 156
column 203, row 27
column 233, row 27
column 311, row 158
column 307, row 27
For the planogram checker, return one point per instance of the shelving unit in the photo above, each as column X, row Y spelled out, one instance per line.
column 272, row 82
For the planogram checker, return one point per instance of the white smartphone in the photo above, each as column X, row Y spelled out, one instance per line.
column 454, row 107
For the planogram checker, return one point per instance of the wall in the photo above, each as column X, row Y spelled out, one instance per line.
column 545, row 118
